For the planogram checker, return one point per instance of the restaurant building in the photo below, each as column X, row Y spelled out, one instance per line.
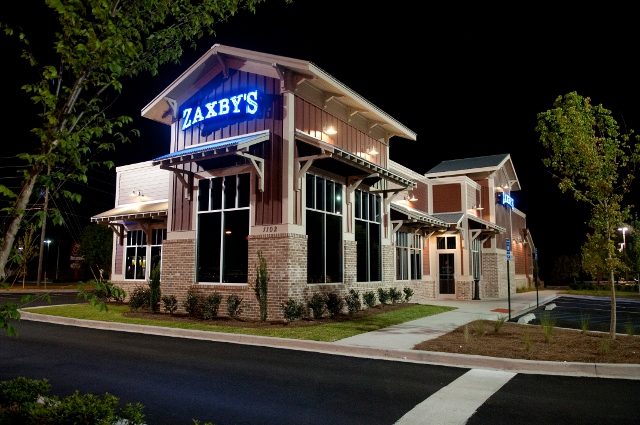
column 271, row 154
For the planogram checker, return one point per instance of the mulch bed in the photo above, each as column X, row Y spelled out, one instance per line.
column 509, row 342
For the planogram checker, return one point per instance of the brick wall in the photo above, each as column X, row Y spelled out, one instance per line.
column 178, row 268
column 446, row 198
column 464, row 289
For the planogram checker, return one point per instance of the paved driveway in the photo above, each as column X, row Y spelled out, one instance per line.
column 571, row 311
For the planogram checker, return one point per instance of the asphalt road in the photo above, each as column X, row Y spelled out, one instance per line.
column 178, row 380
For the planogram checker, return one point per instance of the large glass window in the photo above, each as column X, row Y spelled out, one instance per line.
column 368, row 212
column 324, row 230
column 408, row 256
column 137, row 244
column 223, row 228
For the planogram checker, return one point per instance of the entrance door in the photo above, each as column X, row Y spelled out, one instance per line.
column 447, row 278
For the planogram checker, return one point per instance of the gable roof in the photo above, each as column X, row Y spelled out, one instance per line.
column 477, row 168
column 291, row 72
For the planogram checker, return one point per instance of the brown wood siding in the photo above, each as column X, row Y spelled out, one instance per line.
column 268, row 207
column 422, row 193
column 503, row 220
column 446, row 198
column 426, row 264
column 310, row 119
column 119, row 257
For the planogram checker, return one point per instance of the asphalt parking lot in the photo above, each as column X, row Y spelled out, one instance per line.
column 570, row 312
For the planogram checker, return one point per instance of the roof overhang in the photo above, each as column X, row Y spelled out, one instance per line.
column 291, row 72
column 134, row 212
column 417, row 218
column 486, row 225
column 358, row 164
column 204, row 151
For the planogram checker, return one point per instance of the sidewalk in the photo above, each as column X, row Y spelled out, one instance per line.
column 406, row 335
column 396, row 342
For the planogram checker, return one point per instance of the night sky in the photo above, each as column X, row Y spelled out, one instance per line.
column 468, row 80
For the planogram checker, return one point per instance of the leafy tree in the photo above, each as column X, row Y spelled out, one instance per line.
column 26, row 251
column 566, row 269
column 97, row 43
column 96, row 244
column 596, row 163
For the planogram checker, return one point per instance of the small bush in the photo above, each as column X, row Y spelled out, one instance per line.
column 383, row 296
column 192, row 303
column 465, row 333
column 548, row 324
column 139, row 298
column 170, row 304
column 605, row 345
column 154, row 289
column 334, row 304
column 478, row 327
column 292, row 310
column 233, row 306
column 353, row 301
column 527, row 341
column 317, row 304
column 25, row 401
column 395, row 296
column 630, row 327
column 499, row 323
column 408, row 293
column 369, row 298
column 210, row 306
column 584, row 322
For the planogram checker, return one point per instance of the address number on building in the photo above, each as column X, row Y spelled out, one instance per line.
column 270, row 229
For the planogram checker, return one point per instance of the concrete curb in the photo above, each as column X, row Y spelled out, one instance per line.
column 600, row 370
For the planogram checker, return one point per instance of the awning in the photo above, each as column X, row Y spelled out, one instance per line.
column 353, row 162
column 488, row 224
column 210, row 150
column 449, row 218
column 133, row 212
column 456, row 218
column 419, row 216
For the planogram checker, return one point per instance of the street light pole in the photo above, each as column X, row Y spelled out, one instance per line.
column 624, row 246
column 46, row 266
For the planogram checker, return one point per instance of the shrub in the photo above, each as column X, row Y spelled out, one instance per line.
column 317, row 304
column 103, row 292
column 527, row 341
column 233, row 306
column 262, row 283
column 139, row 298
column 292, row 310
column 154, row 289
column 170, row 304
column 499, row 323
column 191, row 303
column 26, row 401
column 584, row 322
column 408, row 293
column 353, row 301
column 383, row 296
column 369, row 298
column 334, row 303
column 548, row 324
column 210, row 306
column 395, row 296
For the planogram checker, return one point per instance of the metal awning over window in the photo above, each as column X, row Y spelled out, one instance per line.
column 486, row 224
column 352, row 164
column 417, row 218
column 238, row 145
column 209, row 150
column 132, row 212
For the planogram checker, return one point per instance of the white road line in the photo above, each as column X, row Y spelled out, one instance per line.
column 458, row 401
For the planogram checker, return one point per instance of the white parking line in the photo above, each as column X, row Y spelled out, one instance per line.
column 458, row 401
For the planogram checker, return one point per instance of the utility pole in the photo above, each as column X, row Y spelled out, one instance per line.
column 44, row 229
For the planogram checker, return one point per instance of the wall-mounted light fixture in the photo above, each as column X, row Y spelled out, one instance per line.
column 329, row 129
column 411, row 198
column 136, row 192
column 372, row 151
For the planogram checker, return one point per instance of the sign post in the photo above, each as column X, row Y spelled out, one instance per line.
column 508, row 243
column 535, row 272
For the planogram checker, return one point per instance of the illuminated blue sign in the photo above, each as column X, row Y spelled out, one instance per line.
column 245, row 103
column 506, row 200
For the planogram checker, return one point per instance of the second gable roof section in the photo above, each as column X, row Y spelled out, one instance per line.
column 482, row 165
column 220, row 58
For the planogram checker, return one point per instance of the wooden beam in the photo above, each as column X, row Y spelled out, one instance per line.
column 225, row 66
column 118, row 229
column 258, row 167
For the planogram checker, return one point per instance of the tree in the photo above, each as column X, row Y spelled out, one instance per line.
column 97, row 44
column 566, row 269
column 596, row 163
column 96, row 244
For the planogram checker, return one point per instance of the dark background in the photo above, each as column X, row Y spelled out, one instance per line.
column 469, row 79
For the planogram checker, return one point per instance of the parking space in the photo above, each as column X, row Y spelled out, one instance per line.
column 572, row 311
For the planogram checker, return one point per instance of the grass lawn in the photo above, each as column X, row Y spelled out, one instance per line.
column 326, row 330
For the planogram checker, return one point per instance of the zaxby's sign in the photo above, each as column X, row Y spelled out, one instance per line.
column 237, row 106
column 506, row 200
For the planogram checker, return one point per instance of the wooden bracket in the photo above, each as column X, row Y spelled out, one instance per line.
column 258, row 167
column 308, row 160
column 118, row 229
column 187, row 183
column 225, row 66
